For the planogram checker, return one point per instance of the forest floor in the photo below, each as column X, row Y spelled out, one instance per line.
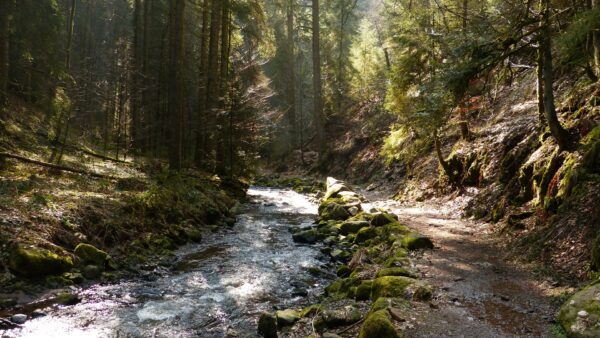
column 479, row 292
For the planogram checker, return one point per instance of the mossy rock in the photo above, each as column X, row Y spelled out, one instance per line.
column 391, row 286
column 343, row 271
column 67, row 298
column 580, row 315
column 383, row 218
column 267, row 325
column 363, row 291
column 37, row 262
column 287, row 317
column 422, row 292
column 416, row 242
column 365, row 234
column 333, row 211
column 311, row 310
column 395, row 271
column 89, row 254
column 194, row 235
column 595, row 260
column 307, row 236
column 378, row 325
column 342, row 316
column 350, row 227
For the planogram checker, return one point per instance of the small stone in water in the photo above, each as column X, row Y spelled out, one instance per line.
column 38, row 314
column 19, row 318
column 582, row 314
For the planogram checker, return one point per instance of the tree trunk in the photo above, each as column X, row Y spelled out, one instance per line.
column 70, row 35
column 136, row 68
column 291, row 95
column 558, row 132
column 201, row 129
column 175, row 90
column 438, row 151
column 223, row 85
column 317, row 87
column 212, row 84
column 596, row 38
column 145, row 97
column 5, row 18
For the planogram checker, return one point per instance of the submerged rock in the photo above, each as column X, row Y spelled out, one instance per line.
column 267, row 325
column 580, row 315
column 37, row 262
column 89, row 254
column 19, row 318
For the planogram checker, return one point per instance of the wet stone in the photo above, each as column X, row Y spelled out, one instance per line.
column 18, row 318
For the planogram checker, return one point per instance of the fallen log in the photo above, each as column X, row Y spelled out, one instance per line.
column 54, row 166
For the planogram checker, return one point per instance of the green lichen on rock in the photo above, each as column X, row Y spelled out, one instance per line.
column 89, row 254
column 391, row 286
column 416, row 242
column 378, row 325
column 580, row 315
column 333, row 211
column 37, row 262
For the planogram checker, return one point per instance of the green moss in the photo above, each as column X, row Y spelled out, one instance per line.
column 395, row 271
column 391, row 286
column 380, row 303
column 287, row 317
column 378, row 325
column 343, row 271
column 37, row 262
column 365, row 234
column 416, row 242
column 350, row 227
column 383, row 218
column 363, row 291
column 422, row 292
column 67, row 298
column 311, row 310
column 580, row 315
column 89, row 254
column 333, row 211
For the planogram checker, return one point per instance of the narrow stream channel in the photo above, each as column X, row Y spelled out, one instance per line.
column 215, row 289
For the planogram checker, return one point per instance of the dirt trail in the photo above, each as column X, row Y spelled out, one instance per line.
column 478, row 293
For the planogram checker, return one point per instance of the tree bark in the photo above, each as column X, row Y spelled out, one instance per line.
column 175, row 90
column 291, row 95
column 212, row 84
column 5, row 19
column 70, row 35
column 556, row 129
column 135, row 75
column 317, row 86
column 201, row 129
column 223, row 86
column 596, row 38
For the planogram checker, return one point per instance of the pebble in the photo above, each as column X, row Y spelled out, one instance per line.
column 19, row 318
column 582, row 314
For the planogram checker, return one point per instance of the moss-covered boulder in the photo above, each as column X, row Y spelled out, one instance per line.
column 36, row 262
column 307, row 236
column 333, row 211
column 391, row 286
column 350, row 227
column 287, row 317
column 267, row 325
column 416, row 242
column 365, row 234
column 580, row 315
column 343, row 271
column 383, row 218
column 89, row 254
column 395, row 271
column 363, row 291
column 339, row 317
column 378, row 325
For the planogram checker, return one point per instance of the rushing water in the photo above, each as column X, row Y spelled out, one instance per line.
column 215, row 289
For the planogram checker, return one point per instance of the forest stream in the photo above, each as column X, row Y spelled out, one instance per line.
column 217, row 288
